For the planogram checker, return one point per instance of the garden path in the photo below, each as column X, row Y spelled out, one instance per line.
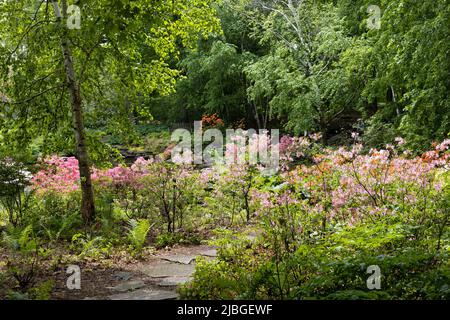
column 157, row 279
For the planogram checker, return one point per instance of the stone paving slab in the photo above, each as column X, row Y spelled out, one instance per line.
column 168, row 269
column 123, row 275
column 173, row 281
column 183, row 259
column 127, row 286
column 209, row 253
column 166, row 272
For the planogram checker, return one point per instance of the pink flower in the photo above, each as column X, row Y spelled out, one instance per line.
column 400, row 141
column 316, row 136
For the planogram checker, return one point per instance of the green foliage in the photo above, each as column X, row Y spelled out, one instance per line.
column 212, row 280
column 56, row 216
column 14, row 189
column 307, row 250
column 319, row 270
column 86, row 245
column 137, row 232
column 52, row 216
column 20, row 239
column 214, row 83
column 294, row 65
column 229, row 276
column 43, row 291
column 23, row 259
column 228, row 202
column 123, row 54
column 317, row 66
column 156, row 142
column 39, row 292
column 164, row 240
column 167, row 240
column 172, row 193
column 301, row 76
column 400, row 70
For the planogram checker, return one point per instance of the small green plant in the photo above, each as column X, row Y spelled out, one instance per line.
column 23, row 259
column 42, row 291
column 167, row 240
column 89, row 246
column 137, row 232
column 15, row 295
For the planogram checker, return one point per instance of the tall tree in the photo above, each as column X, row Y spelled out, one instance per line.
column 301, row 76
column 403, row 66
column 87, row 192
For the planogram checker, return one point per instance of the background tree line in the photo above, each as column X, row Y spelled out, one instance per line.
column 316, row 66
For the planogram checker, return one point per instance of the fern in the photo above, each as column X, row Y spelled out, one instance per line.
column 19, row 240
column 24, row 260
column 87, row 246
column 59, row 226
column 137, row 232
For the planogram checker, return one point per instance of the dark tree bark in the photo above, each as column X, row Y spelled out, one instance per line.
column 323, row 130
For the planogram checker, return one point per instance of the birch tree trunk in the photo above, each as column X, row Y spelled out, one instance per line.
column 87, row 199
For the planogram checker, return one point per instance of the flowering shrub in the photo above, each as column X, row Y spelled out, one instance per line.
column 351, row 186
column 212, row 121
column 229, row 193
column 144, row 187
column 295, row 150
column 342, row 184
column 60, row 174
column 383, row 181
column 323, row 216
column 172, row 192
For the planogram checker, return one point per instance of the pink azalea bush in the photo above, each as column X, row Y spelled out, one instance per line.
column 328, row 215
column 61, row 174
column 146, row 189
column 373, row 183
column 354, row 186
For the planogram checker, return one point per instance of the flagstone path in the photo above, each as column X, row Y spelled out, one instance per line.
column 159, row 278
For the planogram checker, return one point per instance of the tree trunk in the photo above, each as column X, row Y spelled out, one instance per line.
column 87, row 199
column 323, row 131
column 258, row 122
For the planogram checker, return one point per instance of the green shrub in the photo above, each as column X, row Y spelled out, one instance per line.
column 23, row 259
column 334, row 266
column 15, row 189
column 86, row 245
column 43, row 291
column 56, row 216
column 170, row 239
